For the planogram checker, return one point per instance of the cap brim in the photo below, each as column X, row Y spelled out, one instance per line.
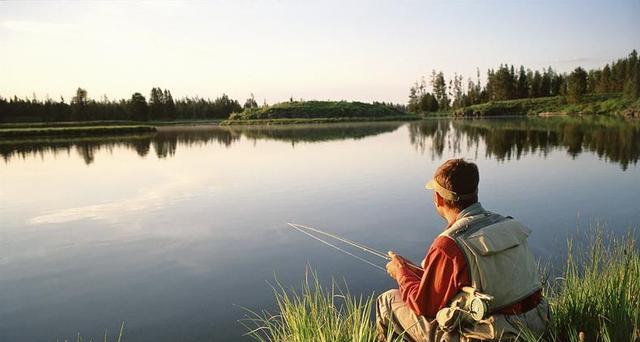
column 430, row 185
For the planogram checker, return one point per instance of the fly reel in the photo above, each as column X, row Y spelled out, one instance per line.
column 477, row 304
column 478, row 309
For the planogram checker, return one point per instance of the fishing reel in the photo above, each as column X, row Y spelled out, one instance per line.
column 477, row 306
column 468, row 306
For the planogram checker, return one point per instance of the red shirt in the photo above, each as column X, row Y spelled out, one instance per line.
column 444, row 273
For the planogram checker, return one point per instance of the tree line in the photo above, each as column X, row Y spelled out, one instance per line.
column 160, row 106
column 507, row 83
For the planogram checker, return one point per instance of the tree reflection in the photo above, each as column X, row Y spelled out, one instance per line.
column 612, row 139
column 168, row 139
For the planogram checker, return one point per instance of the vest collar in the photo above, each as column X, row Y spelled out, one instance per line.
column 472, row 210
column 468, row 212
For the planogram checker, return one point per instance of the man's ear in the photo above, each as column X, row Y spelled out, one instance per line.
column 439, row 199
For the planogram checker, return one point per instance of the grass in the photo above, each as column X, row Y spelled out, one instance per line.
column 295, row 121
column 315, row 314
column 599, row 294
column 74, row 130
column 316, row 110
column 105, row 338
column 613, row 103
column 597, row 299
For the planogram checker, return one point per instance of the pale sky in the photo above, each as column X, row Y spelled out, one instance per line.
column 351, row 50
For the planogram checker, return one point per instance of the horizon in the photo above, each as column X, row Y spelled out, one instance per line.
column 358, row 51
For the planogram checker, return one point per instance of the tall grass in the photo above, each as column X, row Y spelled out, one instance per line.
column 597, row 299
column 599, row 294
column 315, row 314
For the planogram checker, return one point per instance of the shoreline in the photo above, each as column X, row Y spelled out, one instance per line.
column 48, row 131
column 294, row 121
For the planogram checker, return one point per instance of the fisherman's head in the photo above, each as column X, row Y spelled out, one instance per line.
column 455, row 186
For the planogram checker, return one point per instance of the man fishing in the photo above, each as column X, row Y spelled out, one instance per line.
column 480, row 258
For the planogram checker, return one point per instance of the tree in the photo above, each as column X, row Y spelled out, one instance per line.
column 576, row 85
column 502, row 84
column 413, row 106
column 156, row 104
column 169, row 105
column 79, row 105
column 535, row 85
column 250, row 103
column 428, row 103
column 604, row 83
column 138, row 107
column 632, row 83
column 439, row 86
column 459, row 97
column 545, row 82
column 522, row 88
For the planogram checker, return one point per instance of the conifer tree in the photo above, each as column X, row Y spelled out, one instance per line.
column 576, row 85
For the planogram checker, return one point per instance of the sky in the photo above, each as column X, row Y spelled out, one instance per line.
column 323, row 50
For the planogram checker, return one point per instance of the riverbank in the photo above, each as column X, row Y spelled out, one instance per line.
column 592, row 104
column 90, row 128
column 296, row 121
column 596, row 297
column 339, row 110
column 74, row 131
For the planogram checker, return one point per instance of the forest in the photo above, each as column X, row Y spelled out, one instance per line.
column 160, row 107
column 435, row 94
column 430, row 94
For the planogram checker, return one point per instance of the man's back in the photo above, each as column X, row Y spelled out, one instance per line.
column 478, row 252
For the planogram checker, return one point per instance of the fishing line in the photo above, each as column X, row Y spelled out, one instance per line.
column 338, row 248
column 360, row 246
column 349, row 242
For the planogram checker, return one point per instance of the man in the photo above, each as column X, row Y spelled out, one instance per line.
column 478, row 250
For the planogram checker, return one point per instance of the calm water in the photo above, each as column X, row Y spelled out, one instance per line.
column 174, row 233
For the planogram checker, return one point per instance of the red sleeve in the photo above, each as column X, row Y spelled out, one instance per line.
column 444, row 274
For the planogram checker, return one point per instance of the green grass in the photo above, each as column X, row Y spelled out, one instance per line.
column 296, row 121
column 597, row 297
column 599, row 293
column 73, row 131
column 317, row 109
column 613, row 103
column 315, row 314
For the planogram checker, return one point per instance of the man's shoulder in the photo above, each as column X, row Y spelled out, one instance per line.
column 446, row 245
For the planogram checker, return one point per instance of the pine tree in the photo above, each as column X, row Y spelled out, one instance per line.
column 576, row 85
column 439, row 86
column 138, row 107
column 169, row 106
column 156, row 104
column 522, row 89
column 79, row 105
column 632, row 83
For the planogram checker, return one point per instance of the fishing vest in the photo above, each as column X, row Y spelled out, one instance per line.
column 498, row 257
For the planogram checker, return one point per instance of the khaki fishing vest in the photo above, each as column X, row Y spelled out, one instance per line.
column 498, row 257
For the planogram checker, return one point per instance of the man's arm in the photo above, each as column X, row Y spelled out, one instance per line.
column 443, row 276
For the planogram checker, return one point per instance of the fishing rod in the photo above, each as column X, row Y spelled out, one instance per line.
column 306, row 229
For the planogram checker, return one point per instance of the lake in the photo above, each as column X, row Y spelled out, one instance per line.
column 175, row 233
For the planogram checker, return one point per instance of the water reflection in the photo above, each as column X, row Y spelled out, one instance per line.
column 165, row 142
column 614, row 140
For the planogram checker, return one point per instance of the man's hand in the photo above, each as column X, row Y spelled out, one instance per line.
column 393, row 267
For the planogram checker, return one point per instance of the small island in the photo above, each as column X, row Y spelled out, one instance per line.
column 293, row 112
